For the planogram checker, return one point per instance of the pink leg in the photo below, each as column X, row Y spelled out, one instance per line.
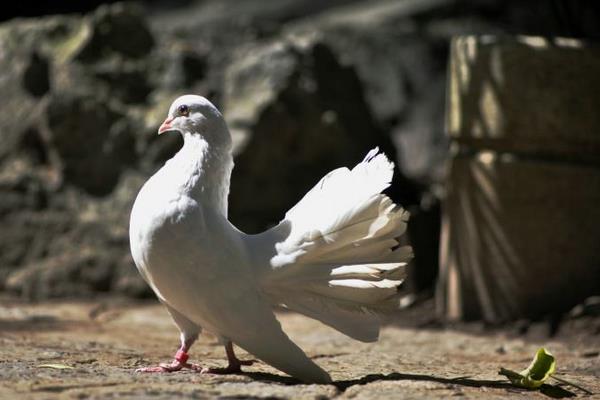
column 179, row 360
column 234, row 364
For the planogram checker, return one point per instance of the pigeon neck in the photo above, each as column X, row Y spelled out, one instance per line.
column 206, row 169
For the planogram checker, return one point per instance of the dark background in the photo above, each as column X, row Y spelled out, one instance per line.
column 80, row 114
column 577, row 18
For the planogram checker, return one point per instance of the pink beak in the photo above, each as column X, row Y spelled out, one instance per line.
column 166, row 126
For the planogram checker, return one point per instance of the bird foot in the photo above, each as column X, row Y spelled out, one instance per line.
column 173, row 367
column 179, row 363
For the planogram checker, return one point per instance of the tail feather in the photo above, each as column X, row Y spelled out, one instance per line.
column 367, row 230
column 342, row 262
column 357, row 291
column 374, row 272
column 359, row 325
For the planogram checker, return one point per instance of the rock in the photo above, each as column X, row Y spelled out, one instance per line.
column 117, row 29
column 589, row 307
column 381, row 41
column 29, row 235
column 36, row 76
column 24, row 79
column 186, row 66
column 79, row 250
column 420, row 139
column 252, row 83
column 89, row 145
column 70, row 274
column 401, row 73
column 68, row 139
column 128, row 80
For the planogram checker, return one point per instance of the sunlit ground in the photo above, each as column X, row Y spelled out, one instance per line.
column 90, row 350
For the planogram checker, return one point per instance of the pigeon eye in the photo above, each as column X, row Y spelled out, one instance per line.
column 183, row 110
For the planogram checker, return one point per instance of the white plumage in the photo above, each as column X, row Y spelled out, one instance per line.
column 335, row 256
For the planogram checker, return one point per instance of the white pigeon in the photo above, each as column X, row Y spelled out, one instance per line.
column 335, row 256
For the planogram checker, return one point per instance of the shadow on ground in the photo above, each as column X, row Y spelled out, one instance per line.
column 552, row 391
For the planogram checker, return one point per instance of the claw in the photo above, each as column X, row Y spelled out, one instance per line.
column 160, row 368
column 173, row 367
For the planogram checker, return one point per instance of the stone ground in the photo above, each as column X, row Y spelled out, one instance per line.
column 104, row 341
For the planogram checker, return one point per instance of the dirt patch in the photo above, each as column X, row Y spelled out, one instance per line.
column 104, row 342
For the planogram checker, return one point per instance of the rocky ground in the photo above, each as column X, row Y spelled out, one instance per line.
column 102, row 342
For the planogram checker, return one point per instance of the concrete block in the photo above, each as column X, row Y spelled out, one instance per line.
column 525, row 95
column 520, row 237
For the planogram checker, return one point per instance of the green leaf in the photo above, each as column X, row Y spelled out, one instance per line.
column 542, row 366
column 55, row 366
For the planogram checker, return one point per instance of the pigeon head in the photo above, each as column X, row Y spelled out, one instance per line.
column 196, row 116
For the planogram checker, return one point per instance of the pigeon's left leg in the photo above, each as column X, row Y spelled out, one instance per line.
column 189, row 334
column 234, row 364
column 179, row 360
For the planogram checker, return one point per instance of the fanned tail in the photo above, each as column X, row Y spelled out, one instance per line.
column 342, row 261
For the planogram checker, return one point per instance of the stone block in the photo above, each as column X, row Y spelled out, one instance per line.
column 525, row 95
column 519, row 237
column 520, row 219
